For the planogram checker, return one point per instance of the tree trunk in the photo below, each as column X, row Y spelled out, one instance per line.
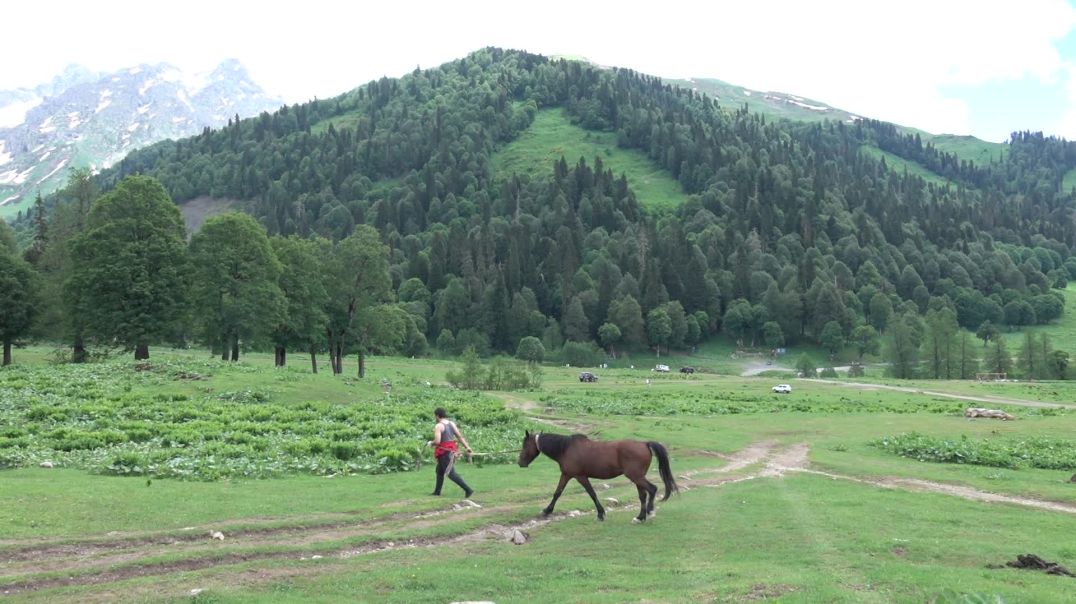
column 362, row 364
column 141, row 351
column 313, row 359
column 78, row 350
column 339, row 358
column 279, row 356
column 235, row 348
column 283, row 356
column 7, row 353
column 224, row 348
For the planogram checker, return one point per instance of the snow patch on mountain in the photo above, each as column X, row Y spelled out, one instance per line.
column 58, row 167
column 14, row 177
column 82, row 118
column 14, row 114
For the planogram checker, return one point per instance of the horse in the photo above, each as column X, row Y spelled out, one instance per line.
column 582, row 459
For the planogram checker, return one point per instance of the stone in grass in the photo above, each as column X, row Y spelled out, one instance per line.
column 516, row 536
column 613, row 500
column 46, row 464
column 217, row 535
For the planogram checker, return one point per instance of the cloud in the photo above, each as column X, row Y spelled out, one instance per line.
column 890, row 60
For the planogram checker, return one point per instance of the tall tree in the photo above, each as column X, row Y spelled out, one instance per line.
column 302, row 281
column 941, row 343
column 130, row 266
column 832, row 338
column 359, row 286
column 627, row 315
column 865, row 339
column 902, row 348
column 19, row 286
column 609, row 334
column 997, row 359
column 236, row 295
column 659, row 329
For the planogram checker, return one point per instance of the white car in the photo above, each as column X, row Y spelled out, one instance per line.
column 782, row 389
column 661, row 368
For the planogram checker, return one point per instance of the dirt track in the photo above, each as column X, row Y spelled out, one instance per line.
column 998, row 400
column 109, row 560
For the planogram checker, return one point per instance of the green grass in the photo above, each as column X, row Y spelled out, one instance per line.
column 1069, row 181
column 801, row 538
column 344, row 120
column 969, row 148
column 1062, row 332
column 797, row 537
column 899, row 164
column 552, row 135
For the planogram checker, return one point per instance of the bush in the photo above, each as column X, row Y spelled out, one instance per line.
column 581, row 354
column 806, row 366
column 1035, row 452
column 828, row 372
column 530, row 349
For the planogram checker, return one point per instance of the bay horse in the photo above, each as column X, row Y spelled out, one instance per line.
column 582, row 459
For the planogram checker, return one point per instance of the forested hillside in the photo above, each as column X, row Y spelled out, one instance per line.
column 789, row 231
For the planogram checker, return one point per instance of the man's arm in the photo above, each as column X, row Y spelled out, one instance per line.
column 460, row 434
column 437, row 434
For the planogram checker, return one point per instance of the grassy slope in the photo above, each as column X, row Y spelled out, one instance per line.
column 1062, row 332
column 900, row 164
column 552, row 135
column 965, row 147
column 1069, row 181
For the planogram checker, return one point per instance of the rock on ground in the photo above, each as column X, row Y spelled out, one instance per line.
column 988, row 413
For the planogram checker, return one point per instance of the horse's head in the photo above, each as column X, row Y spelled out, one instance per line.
column 529, row 450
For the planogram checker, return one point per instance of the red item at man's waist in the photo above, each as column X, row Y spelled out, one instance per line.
column 444, row 447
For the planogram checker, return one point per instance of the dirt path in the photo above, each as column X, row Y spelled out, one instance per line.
column 104, row 561
column 757, row 368
column 964, row 397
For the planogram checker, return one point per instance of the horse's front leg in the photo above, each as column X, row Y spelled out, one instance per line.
column 564, row 478
column 583, row 480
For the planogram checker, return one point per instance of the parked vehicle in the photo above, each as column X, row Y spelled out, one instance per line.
column 687, row 370
column 661, row 368
column 587, row 376
column 782, row 389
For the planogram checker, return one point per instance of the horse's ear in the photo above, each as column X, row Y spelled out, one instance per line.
column 526, row 433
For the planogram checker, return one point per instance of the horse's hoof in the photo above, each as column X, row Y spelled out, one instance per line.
column 651, row 513
column 601, row 518
column 637, row 520
column 546, row 512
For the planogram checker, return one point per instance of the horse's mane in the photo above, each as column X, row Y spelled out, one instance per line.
column 554, row 445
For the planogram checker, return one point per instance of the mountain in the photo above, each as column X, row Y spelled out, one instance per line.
column 87, row 119
column 521, row 196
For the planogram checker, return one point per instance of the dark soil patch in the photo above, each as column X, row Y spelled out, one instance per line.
column 1033, row 562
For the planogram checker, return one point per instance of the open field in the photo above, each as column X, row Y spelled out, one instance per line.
column 785, row 497
column 552, row 135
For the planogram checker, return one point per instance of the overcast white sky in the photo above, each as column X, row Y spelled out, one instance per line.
column 966, row 67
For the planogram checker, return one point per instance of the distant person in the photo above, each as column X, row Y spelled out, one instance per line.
column 445, row 435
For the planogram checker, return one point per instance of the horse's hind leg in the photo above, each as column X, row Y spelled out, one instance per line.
column 652, row 490
column 564, row 478
column 642, row 502
column 583, row 480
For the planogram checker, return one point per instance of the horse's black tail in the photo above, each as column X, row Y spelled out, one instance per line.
column 663, row 468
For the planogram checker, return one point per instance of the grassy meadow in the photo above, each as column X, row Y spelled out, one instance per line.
column 552, row 135
column 784, row 497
